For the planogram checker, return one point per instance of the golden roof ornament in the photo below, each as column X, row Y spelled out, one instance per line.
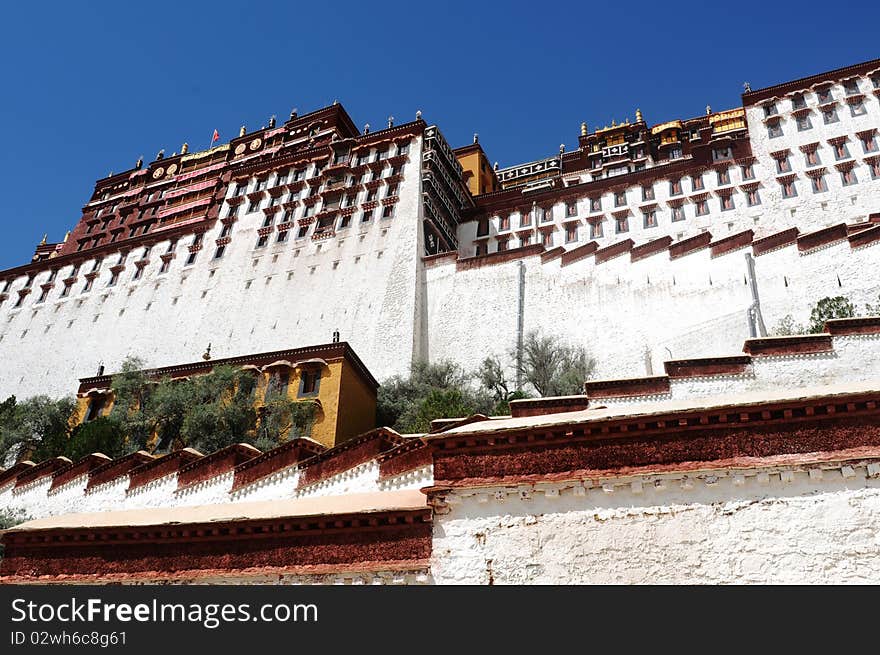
column 139, row 163
column 66, row 236
column 584, row 128
column 272, row 121
column 613, row 123
column 184, row 149
column 242, row 131
column 639, row 118
column 45, row 236
column 708, row 110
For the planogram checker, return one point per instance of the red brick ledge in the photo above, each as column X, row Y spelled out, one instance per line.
column 368, row 538
column 774, row 241
column 272, row 461
column 499, row 257
column 12, row 473
column 254, row 573
column 117, row 468
column 579, row 253
column 674, row 439
column 160, row 467
column 864, row 237
column 614, row 250
column 794, row 345
column 625, row 388
column 409, row 456
column 550, row 405
column 854, row 456
column 41, row 470
column 553, row 253
column 687, row 368
column 823, row 237
column 85, row 465
column 347, row 455
column 733, row 242
column 687, row 246
column 650, row 248
column 847, row 326
column 217, row 463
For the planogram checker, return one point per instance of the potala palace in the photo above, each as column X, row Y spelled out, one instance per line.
column 704, row 450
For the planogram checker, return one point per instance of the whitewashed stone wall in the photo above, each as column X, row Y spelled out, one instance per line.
column 854, row 358
column 361, row 282
column 35, row 501
column 630, row 313
column 810, row 524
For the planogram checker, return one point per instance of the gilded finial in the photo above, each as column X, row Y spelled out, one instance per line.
column 613, row 123
column 639, row 118
column 242, row 131
column 160, row 154
column 272, row 121
column 139, row 163
column 561, row 148
column 66, row 236
column 584, row 128
column 747, row 87
column 476, row 138
column 708, row 110
column 418, row 114
column 391, row 121
column 293, row 113
column 366, row 128
column 43, row 242
column 495, row 166
column 184, row 149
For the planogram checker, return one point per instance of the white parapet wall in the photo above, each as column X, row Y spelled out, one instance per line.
column 633, row 315
column 785, row 524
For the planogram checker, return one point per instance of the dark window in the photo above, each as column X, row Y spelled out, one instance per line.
column 309, row 382
column 96, row 406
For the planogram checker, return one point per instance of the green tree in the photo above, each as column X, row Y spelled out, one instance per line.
column 131, row 392
column 552, row 367
column 828, row 308
column 103, row 435
column 787, row 327
column 206, row 412
column 38, row 427
column 493, row 378
column 431, row 390
column 282, row 419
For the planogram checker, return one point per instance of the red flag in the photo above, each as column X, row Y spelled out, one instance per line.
column 216, row 136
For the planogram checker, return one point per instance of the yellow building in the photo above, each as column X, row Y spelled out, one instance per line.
column 330, row 375
column 478, row 173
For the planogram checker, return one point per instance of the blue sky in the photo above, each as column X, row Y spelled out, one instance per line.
column 88, row 87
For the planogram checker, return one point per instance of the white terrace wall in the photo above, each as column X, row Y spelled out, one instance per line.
column 632, row 316
column 35, row 499
column 853, row 358
column 794, row 524
column 362, row 282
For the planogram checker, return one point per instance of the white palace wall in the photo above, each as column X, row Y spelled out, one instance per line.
column 362, row 282
column 625, row 312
